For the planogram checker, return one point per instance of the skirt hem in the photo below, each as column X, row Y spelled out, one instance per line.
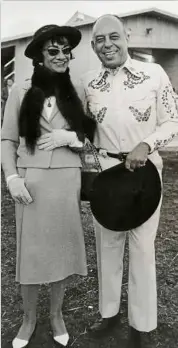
column 84, row 274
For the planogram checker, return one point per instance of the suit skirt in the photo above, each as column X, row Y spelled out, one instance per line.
column 50, row 239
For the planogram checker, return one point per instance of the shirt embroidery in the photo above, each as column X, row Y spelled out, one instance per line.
column 101, row 82
column 163, row 142
column 129, row 122
column 141, row 116
column 96, row 115
column 133, row 80
column 167, row 95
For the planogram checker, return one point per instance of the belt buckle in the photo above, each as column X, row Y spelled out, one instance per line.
column 122, row 156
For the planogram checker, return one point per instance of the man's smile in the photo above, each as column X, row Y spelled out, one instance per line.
column 59, row 63
column 110, row 54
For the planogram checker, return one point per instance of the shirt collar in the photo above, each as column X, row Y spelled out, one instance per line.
column 128, row 65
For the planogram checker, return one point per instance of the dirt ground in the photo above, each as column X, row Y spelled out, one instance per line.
column 81, row 301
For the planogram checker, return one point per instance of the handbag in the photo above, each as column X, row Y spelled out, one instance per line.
column 89, row 170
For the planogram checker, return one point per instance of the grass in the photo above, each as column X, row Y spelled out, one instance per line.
column 81, row 300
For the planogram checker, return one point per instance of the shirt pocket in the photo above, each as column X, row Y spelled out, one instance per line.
column 143, row 108
column 96, row 107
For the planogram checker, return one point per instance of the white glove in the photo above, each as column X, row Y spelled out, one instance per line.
column 58, row 138
column 18, row 191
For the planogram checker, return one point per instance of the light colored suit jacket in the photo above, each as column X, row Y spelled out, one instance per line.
column 57, row 158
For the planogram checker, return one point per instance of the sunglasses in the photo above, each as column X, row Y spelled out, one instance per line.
column 55, row 51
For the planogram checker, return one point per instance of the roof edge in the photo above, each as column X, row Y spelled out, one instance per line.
column 17, row 37
column 123, row 15
column 152, row 9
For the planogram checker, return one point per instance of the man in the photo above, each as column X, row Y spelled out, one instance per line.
column 134, row 109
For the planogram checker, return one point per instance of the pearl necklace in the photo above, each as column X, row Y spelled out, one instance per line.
column 49, row 102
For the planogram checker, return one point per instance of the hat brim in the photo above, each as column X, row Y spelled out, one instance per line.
column 72, row 34
column 122, row 200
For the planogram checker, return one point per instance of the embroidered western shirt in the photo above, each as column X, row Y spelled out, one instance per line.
column 131, row 104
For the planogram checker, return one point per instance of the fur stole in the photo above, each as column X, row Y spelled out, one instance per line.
column 45, row 84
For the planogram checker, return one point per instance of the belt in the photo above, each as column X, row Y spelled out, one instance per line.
column 121, row 156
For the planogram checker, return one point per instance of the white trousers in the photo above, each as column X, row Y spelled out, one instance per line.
column 142, row 294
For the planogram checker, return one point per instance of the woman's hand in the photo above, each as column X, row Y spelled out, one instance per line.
column 137, row 157
column 18, row 191
column 58, row 138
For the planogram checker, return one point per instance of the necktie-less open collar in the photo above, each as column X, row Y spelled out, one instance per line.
column 128, row 65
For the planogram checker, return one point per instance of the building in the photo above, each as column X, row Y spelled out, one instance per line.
column 153, row 37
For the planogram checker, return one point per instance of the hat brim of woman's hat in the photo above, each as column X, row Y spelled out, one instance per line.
column 72, row 34
column 122, row 200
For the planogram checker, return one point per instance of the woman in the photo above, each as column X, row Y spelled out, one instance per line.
column 44, row 180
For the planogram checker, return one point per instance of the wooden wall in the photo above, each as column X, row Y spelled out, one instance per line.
column 164, row 33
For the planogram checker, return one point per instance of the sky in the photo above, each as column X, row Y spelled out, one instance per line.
column 22, row 17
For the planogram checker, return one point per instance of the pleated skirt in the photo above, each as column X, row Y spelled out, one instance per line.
column 50, row 239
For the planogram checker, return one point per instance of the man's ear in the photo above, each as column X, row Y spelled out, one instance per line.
column 93, row 45
column 127, row 34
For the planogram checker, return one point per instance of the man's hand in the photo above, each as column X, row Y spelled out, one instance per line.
column 19, row 192
column 57, row 138
column 137, row 157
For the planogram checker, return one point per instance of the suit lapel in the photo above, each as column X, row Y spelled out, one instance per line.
column 53, row 113
column 55, row 110
column 44, row 114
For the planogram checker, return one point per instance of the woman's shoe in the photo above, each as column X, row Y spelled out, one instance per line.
column 19, row 343
column 62, row 339
column 60, row 334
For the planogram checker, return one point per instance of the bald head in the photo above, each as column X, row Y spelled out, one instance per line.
column 109, row 40
column 105, row 18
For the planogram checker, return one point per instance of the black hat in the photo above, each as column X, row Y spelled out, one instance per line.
column 122, row 200
column 46, row 32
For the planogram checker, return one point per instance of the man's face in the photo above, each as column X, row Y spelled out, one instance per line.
column 110, row 42
column 56, row 57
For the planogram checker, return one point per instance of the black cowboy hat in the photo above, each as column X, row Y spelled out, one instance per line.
column 122, row 200
column 46, row 32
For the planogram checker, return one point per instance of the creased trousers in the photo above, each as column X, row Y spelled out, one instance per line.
column 142, row 293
